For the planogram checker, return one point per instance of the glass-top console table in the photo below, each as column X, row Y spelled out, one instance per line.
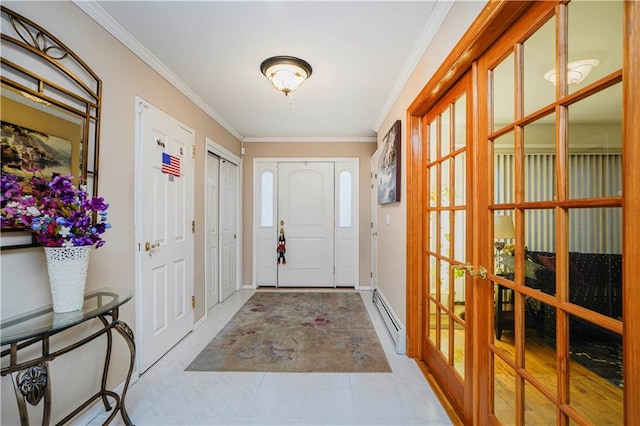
column 30, row 377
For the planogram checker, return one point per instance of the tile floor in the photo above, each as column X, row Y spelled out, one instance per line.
column 168, row 395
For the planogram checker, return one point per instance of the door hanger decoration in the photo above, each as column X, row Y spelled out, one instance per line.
column 282, row 245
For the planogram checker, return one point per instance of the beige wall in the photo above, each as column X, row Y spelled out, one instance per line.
column 24, row 280
column 361, row 150
column 392, row 241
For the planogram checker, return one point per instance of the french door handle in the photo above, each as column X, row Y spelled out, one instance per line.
column 467, row 268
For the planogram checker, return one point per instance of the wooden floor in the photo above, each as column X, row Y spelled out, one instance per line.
column 596, row 400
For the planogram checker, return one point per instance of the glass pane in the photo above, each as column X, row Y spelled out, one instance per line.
column 445, row 140
column 503, row 320
column 504, row 169
column 432, row 322
column 433, row 185
column 266, row 199
column 444, row 283
column 459, row 295
column 540, row 240
column 504, row 392
column 538, row 409
column 595, row 33
column 444, row 334
column 445, row 233
column 539, row 58
column 595, row 145
column 503, row 83
column 595, row 260
column 345, row 199
column 460, row 223
column 460, row 122
column 540, row 160
column 433, row 140
column 460, row 182
column 433, row 231
column 540, row 348
column 596, row 374
column 432, row 276
column 458, row 348
column 445, row 192
column 504, row 235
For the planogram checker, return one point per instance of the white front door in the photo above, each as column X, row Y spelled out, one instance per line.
column 306, row 218
column 212, row 233
column 228, row 228
column 165, row 239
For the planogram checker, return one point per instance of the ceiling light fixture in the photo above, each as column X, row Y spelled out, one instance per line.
column 576, row 71
column 286, row 73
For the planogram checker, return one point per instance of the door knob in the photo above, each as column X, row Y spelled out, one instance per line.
column 148, row 246
column 467, row 268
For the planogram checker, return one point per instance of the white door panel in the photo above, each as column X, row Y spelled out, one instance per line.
column 212, row 237
column 228, row 227
column 164, row 219
column 306, row 214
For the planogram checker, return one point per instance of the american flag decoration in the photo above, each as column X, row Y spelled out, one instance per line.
column 170, row 164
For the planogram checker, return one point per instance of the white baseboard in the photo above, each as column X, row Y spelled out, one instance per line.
column 200, row 321
column 364, row 288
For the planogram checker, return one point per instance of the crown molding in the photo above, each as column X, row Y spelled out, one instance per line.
column 98, row 14
column 290, row 139
column 440, row 12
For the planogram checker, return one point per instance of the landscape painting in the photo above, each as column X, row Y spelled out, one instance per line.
column 25, row 149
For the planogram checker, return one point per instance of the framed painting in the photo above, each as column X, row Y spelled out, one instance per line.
column 389, row 168
column 26, row 149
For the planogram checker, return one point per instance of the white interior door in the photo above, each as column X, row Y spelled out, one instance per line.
column 306, row 215
column 165, row 238
column 212, row 235
column 228, row 228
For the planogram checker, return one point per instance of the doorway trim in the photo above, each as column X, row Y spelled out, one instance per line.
column 211, row 146
column 356, row 204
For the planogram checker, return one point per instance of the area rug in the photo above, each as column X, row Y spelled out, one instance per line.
column 296, row 332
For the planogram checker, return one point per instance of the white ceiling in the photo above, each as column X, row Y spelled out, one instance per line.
column 362, row 53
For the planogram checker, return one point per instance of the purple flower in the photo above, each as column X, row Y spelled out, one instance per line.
column 56, row 211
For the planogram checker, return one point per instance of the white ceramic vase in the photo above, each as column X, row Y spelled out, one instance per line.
column 67, row 268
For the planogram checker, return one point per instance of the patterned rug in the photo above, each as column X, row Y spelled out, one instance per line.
column 296, row 332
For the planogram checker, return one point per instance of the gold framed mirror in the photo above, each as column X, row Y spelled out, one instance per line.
column 50, row 111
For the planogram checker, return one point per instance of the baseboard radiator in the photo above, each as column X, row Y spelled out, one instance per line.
column 394, row 325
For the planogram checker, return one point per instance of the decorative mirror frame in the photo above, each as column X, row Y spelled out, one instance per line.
column 43, row 74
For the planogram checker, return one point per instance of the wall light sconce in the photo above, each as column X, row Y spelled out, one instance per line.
column 286, row 73
column 576, row 71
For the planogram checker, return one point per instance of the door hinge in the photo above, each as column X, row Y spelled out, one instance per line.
column 371, row 274
column 371, row 225
column 193, row 302
column 193, row 151
column 193, row 226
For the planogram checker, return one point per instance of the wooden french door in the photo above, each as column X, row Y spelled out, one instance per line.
column 550, row 137
column 556, row 191
column 447, row 337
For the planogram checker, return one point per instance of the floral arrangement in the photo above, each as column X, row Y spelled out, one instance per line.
column 56, row 211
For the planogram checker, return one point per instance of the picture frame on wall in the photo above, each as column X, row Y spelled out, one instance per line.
column 389, row 166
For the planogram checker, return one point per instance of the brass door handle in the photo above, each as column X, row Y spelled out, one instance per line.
column 467, row 268
column 148, row 246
